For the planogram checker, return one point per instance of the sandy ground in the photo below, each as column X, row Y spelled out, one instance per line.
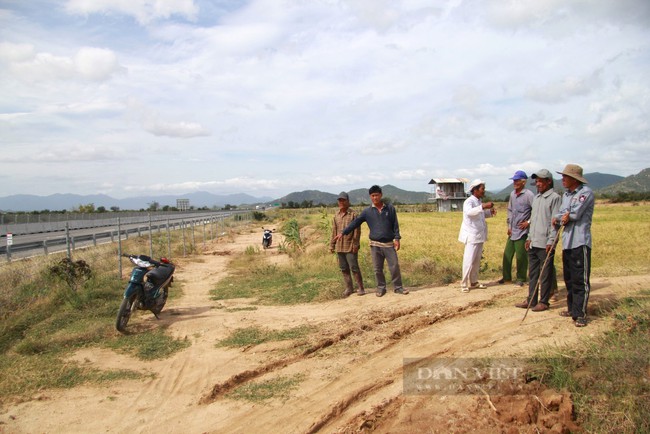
column 351, row 370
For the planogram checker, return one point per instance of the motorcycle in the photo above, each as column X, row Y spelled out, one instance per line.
column 267, row 238
column 147, row 289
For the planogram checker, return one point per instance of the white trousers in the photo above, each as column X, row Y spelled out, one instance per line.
column 471, row 263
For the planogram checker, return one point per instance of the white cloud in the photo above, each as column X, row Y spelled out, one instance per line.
column 562, row 90
column 279, row 96
column 10, row 52
column 96, row 63
column 144, row 11
column 180, row 129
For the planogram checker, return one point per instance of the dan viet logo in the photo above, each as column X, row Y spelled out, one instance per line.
column 459, row 376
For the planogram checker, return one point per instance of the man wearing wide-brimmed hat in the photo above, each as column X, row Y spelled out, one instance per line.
column 576, row 212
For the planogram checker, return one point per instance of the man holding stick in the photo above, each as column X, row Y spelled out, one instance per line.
column 542, row 236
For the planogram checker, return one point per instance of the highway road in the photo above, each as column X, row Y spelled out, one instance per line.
column 54, row 240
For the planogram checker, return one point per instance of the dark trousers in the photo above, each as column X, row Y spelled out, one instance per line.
column 577, row 269
column 536, row 258
column 348, row 261
column 379, row 254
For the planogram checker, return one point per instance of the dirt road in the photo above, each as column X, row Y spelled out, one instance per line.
column 350, row 372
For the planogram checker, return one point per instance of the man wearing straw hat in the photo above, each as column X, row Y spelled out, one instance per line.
column 576, row 212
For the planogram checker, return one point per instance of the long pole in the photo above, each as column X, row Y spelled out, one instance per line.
column 541, row 273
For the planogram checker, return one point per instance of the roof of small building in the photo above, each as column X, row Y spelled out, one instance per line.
column 448, row 180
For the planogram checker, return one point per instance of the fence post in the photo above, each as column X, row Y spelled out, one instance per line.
column 67, row 239
column 169, row 241
column 183, row 234
column 193, row 238
column 119, row 249
column 150, row 238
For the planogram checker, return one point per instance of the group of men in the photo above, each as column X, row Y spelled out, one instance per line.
column 534, row 225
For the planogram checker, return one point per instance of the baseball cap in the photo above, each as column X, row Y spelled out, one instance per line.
column 542, row 173
column 519, row 174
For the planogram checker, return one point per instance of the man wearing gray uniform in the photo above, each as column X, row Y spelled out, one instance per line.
column 540, row 242
column 576, row 212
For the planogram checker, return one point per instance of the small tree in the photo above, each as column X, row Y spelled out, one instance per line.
column 89, row 208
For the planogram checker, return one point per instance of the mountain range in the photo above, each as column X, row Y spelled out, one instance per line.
column 601, row 183
column 59, row 202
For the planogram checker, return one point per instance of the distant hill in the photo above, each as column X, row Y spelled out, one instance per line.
column 639, row 183
column 61, row 202
column 315, row 196
column 396, row 195
column 357, row 196
column 596, row 181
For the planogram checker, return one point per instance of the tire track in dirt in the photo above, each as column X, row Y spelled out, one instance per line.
column 352, row 370
column 411, row 322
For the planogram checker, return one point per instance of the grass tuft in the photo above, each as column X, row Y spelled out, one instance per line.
column 254, row 336
column 619, row 400
column 277, row 388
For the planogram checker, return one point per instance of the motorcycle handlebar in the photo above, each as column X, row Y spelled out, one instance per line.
column 143, row 257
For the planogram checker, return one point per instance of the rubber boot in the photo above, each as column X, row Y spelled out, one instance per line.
column 347, row 278
column 359, row 279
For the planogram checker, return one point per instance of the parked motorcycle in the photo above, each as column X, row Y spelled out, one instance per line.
column 147, row 288
column 267, row 238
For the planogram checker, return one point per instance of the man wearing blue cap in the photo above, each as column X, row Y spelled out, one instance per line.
column 518, row 219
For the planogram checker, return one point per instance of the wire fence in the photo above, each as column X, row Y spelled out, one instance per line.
column 198, row 227
column 25, row 280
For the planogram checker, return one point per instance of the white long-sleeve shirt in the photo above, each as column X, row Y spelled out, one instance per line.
column 473, row 230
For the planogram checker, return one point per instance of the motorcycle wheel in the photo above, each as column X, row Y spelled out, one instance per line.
column 124, row 313
column 265, row 244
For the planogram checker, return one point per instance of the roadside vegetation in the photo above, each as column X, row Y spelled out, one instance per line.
column 51, row 306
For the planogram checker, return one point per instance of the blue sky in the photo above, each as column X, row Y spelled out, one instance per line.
column 267, row 97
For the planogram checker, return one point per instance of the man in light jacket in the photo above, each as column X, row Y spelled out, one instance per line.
column 540, row 243
column 473, row 233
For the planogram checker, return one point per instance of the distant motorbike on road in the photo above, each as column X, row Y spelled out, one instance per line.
column 267, row 238
column 147, row 289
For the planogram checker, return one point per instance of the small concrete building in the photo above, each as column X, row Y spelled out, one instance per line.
column 182, row 204
column 448, row 193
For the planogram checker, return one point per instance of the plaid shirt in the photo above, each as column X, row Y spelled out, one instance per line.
column 345, row 244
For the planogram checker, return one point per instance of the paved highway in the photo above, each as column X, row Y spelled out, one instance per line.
column 49, row 241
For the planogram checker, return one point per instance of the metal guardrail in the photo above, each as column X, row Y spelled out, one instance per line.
column 44, row 224
column 144, row 224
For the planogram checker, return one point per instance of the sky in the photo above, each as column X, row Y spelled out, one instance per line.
column 267, row 97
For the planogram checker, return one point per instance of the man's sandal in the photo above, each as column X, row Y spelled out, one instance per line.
column 565, row 313
column 581, row 322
